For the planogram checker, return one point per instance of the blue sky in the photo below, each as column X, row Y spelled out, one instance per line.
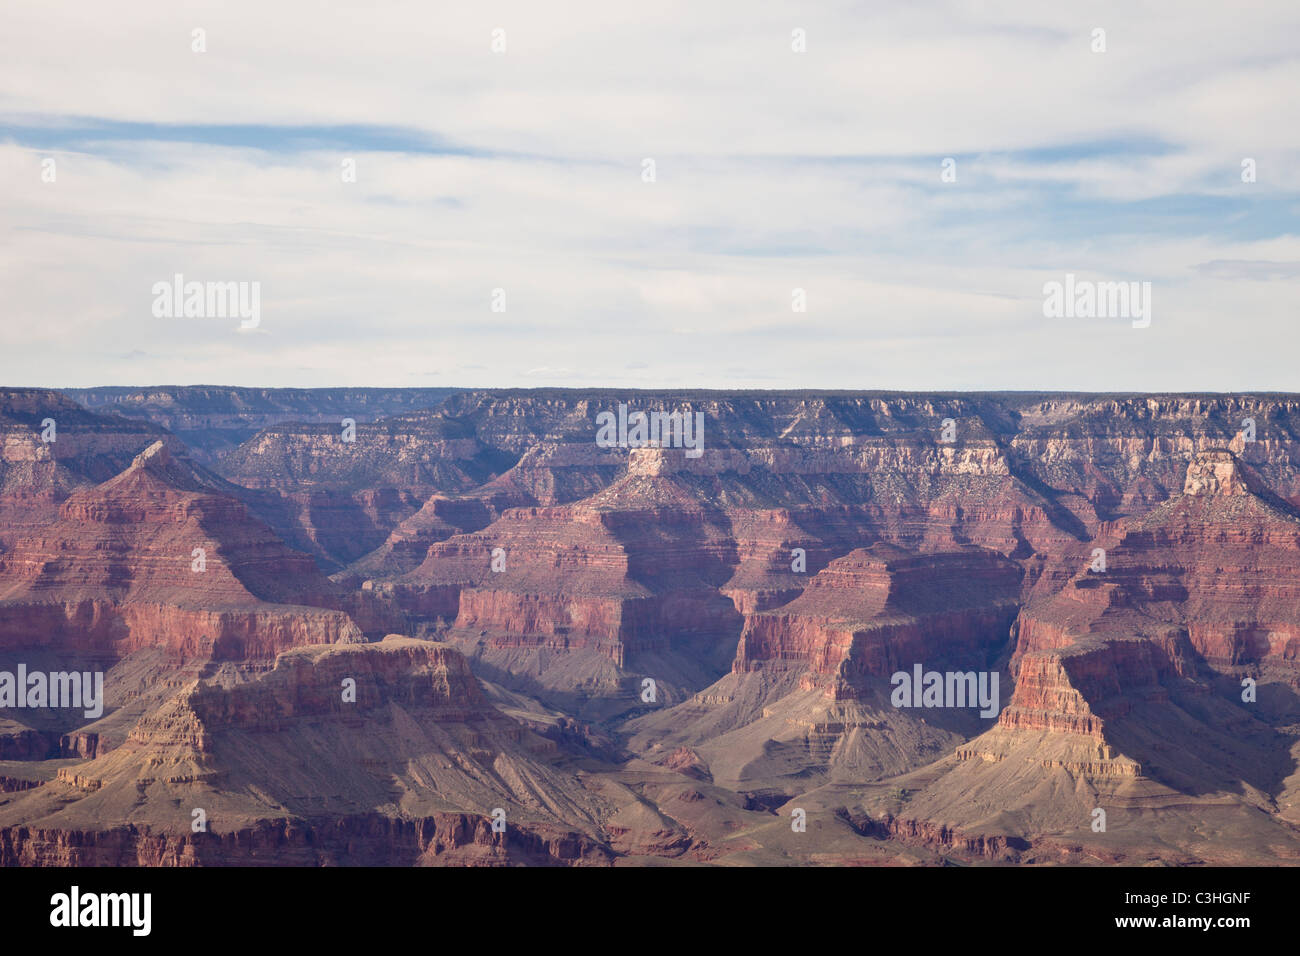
column 775, row 170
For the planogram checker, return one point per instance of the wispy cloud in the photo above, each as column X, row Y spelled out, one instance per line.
column 382, row 173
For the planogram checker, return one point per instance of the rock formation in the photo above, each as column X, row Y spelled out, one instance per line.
column 643, row 651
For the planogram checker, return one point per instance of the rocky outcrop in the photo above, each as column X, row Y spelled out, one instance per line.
column 442, row 839
column 50, row 447
column 546, row 475
column 1216, row 565
column 30, row 745
column 1206, row 582
column 363, row 754
column 1216, row 473
column 159, row 555
column 589, row 588
column 881, row 610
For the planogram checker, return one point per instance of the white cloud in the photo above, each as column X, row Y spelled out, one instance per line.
column 775, row 170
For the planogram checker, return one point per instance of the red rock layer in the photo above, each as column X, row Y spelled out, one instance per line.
column 1208, row 578
column 1218, row 564
column 585, row 578
column 431, row 677
column 37, row 476
column 880, row 610
column 547, row 474
column 116, row 572
column 459, row 839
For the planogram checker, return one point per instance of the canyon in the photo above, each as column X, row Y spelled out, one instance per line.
column 462, row 632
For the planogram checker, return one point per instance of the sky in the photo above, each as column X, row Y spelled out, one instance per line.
column 435, row 194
